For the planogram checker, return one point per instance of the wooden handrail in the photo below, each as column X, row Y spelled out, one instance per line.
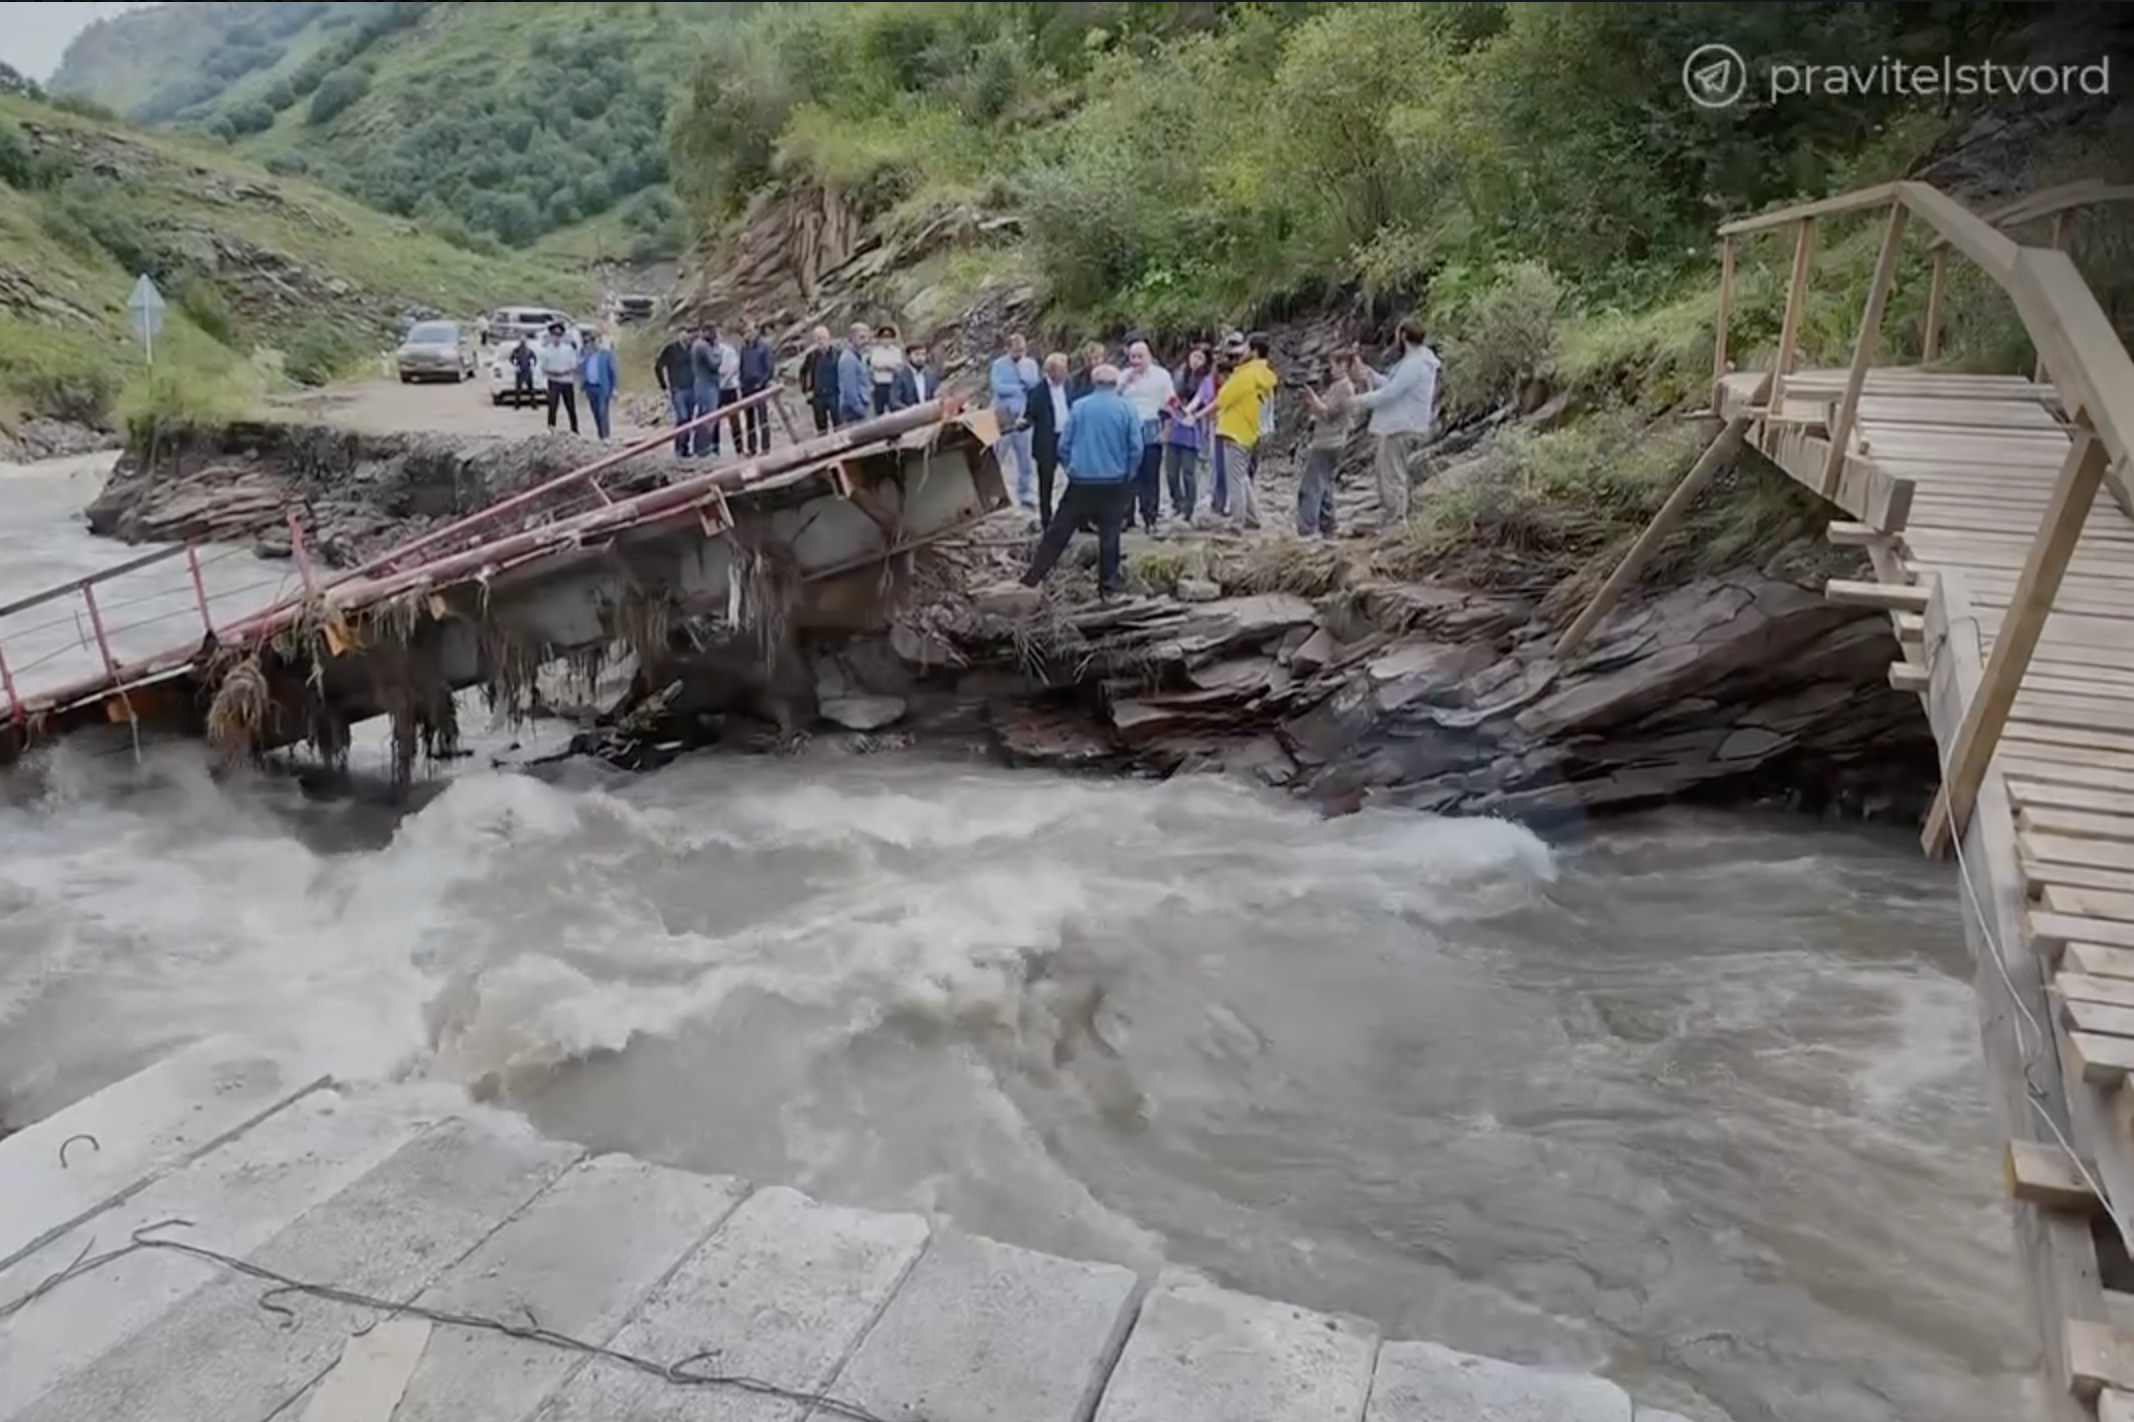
column 2056, row 201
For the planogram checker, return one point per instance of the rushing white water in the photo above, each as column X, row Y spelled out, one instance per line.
column 1695, row 1100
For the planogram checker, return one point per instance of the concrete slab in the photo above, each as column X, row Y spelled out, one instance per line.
column 575, row 1262
column 982, row 1331
column 238, row 1352
column 1422, row 1382
column 780, row 1295
column 1203, row 1354
column 143, row 1126
column 238, row 1195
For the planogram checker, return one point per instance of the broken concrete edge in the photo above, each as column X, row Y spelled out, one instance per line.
column 1164, row 1345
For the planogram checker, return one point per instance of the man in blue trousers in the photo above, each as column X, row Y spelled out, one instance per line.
column 1100, row 450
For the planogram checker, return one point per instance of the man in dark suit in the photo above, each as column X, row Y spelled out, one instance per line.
column 818, row 380
column 915, row 383
column 1049, row 403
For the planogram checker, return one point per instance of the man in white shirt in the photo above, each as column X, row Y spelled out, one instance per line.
column 729, row 368
column 1147, row 387
column 559, row 367
column 1402, row 410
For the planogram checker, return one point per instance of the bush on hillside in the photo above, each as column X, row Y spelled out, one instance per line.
column 23, row 165
column 336, row 94
column 254, row 117
column 90, row 217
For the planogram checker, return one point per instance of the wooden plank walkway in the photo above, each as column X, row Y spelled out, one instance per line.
column 611, row 1289
column 1997, row 518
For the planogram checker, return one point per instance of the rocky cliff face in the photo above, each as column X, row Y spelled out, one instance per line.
column 1748, row 685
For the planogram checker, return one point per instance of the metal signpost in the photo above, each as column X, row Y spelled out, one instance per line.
column 145, row 306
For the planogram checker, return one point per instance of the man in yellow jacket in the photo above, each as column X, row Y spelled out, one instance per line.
column 1239, row 401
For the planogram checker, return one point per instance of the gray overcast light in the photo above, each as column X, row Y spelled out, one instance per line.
column 34, row 34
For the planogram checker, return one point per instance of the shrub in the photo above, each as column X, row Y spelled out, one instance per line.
column 206, row 307
column 255, row 117
column 89, row 216
column 336, row 94
column 80, row 395
column 1499, row 336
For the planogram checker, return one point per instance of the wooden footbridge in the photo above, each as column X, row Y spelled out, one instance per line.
column 2009, row 585
column 565, row 570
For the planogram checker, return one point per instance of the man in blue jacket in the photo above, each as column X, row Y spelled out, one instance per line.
column 1100, row 449
column 855, row 391
column 1009, row 381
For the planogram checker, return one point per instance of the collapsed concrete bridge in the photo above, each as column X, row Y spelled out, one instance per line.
column 808, row 536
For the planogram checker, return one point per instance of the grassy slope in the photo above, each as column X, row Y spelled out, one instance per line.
column 68, row 318
column 459, row 55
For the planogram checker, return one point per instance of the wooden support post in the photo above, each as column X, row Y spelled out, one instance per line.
column 1715, row 457
column 1863, row 351
column 1789, row 330
column 1726, row 308
column 1930, row 339
column 1971, row 749
column 785, row 420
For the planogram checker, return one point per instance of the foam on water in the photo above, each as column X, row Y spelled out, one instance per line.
column 1697, row 1100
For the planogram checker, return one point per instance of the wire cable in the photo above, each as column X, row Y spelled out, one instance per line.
column 2025, row 1050
column 683, row 1372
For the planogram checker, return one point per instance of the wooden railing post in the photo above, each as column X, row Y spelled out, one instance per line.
column 2022, row 625
column 1789, row 330
column 1714, row 458
column 1726, row 309
column 1863, row 351
column 1930, row 339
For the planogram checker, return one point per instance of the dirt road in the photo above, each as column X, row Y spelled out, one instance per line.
column 388, row 407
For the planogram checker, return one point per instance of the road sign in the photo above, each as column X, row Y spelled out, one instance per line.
column 145, row 306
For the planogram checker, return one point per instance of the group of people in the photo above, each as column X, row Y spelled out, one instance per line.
column 703, row 372
column 567, row 362
column 871, row 373
column 1131, row 437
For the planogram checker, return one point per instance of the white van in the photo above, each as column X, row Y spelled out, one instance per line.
column 508, row 323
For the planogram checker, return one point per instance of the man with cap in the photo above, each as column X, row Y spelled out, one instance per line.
column 1101, row 450
column 559, row 367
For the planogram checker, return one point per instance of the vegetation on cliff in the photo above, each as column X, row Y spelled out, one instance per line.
column 266, row 278
column 1532, row 177
column 492, row 124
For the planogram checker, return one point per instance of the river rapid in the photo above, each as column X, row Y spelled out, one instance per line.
column 1694, row 1099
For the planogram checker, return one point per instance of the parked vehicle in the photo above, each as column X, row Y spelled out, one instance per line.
column 435, row 350
column 508, row 323
column 630, row 310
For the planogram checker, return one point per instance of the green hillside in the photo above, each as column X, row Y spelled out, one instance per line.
column 266, row 277
column 493, row 124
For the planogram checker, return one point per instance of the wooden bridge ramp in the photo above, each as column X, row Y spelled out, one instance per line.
column 2010, row 589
